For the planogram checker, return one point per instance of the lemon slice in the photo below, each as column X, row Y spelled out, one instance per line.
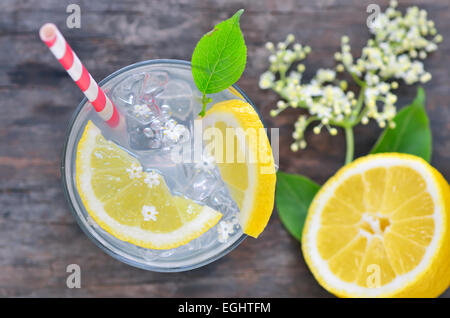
column 381, row 228
column 131, row 204
column 242, row 152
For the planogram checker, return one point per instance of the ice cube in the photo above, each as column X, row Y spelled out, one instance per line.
column 156, row 134
column 178, row 95
column 156, row 125
column 139, row 88
column 143, row 113
column 148, row 132
column 220, row 200
column 147, row 99
column 154, row 82
column 126, row 92
column 142, row 136
column 201, row 185
column 165, row 111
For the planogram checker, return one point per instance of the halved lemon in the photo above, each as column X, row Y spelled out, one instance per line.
column 134, row 205
column 381, row 228
column 243, row 154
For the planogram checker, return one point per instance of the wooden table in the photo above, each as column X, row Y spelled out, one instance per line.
column 38, row 235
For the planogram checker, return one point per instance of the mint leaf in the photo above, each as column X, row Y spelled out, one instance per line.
column 293, row 196
column 412, row 132
column 219, row 58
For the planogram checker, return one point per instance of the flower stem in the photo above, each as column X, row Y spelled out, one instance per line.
column 350, row 144
column 358, row 114
column 205, row 101
column 357, row 79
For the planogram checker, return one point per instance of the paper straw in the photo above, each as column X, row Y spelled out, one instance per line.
column 55, row 41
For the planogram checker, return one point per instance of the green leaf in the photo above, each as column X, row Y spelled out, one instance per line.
column 219, row 58
column 293, row 197
column 412, row 132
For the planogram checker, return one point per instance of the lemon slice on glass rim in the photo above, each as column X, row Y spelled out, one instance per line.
column 381, row 228
column 246, row 164
column 131, row 204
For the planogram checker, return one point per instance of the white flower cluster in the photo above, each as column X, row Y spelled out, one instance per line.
column 134, row 171
column 174, row 132
column 149, row 213
column 326, row 99
column 152, row 179
column 281, row 59
column 395, row 52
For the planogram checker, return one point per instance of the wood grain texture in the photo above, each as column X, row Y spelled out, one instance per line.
column 38, row 235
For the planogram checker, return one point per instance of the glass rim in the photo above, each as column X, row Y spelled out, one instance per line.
column 69, row 200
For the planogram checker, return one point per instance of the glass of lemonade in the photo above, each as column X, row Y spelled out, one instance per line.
column 169, row 86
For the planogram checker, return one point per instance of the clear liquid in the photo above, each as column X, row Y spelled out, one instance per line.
column 182, row 178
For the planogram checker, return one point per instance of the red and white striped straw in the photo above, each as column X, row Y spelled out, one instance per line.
column 55, row 41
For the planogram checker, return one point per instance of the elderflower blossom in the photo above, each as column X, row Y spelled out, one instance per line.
column 324, row 96
column 399, row 43
column 149, row 213
column 394, row 53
